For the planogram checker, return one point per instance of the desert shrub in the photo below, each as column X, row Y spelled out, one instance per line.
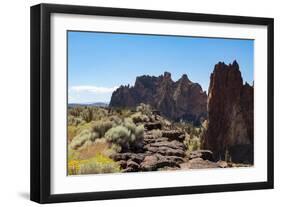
column 75, row 111
column 128, row 135
column 71, row 132
column 194, row 144
column 72, row 120
column 87, row 114
column 115, row 148
column 73, row 167
column 139, row 117
column 144, row 109
column 101, row 127
column 119, row 135
column 99, row 113
column 126, row 113
column 139, row 132
column 72, row 164
column 115, row 119
column 129, row 124
column 98, row 164
column 85, row 136
column 83, row 126
column 71, row 154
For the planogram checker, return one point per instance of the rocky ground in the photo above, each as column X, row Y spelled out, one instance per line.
column 166, row 152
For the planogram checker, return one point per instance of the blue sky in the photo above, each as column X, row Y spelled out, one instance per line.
column 98, row 63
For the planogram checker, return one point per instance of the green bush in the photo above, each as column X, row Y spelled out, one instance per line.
column 194, row 144
column 87, row 113
column 75, row 111
column 72, row 120
column 115, row 119
column 101, row 127
column 85, row 136
column 139, row 117
column 128, row 135
column 119, row 135
column 144, row 109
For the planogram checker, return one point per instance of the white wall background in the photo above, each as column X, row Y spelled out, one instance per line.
column 14, row 103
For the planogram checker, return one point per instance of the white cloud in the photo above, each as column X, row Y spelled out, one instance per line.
column 93, row 89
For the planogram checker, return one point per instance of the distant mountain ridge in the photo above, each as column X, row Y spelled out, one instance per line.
column 176, row 100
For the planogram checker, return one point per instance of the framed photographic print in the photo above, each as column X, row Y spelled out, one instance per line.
column 132, row 103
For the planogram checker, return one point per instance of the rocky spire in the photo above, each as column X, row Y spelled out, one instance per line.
column 230, row 115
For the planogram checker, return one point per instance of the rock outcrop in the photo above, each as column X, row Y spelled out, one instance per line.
column 229, row 134
column 180, row 100
column 159, row 152
column 164, row 149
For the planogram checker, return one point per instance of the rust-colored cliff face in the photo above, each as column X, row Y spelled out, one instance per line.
column 230, row 115
column 177, row 100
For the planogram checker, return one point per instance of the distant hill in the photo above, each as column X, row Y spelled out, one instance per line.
column 97, row 104
column 176, row 100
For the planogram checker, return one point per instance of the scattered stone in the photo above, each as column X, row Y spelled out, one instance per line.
column 129, row 169
column 174, row 135
column 136, row 157
column 166, row 151
column 122, row 163
column 133, row 165
column 222, row 164
column 199, row 163
column 157, row 161
column 173, row 144
column 152, row 125
column 204, row 154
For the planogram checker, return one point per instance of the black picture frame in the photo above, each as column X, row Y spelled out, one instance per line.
column 41, row 98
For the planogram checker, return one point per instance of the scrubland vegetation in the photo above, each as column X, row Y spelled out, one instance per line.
column 96, row 133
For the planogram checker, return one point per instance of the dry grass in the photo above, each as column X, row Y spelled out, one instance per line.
column 93, row 150
column 71, row 132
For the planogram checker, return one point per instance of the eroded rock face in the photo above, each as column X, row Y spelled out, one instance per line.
column 178, row 100
column 230, row 115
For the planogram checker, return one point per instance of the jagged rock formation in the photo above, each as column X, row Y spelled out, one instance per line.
column 178, row 100
column 230, row 115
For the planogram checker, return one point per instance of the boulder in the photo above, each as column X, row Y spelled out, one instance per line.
column 157, row 161
column 133, row 165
